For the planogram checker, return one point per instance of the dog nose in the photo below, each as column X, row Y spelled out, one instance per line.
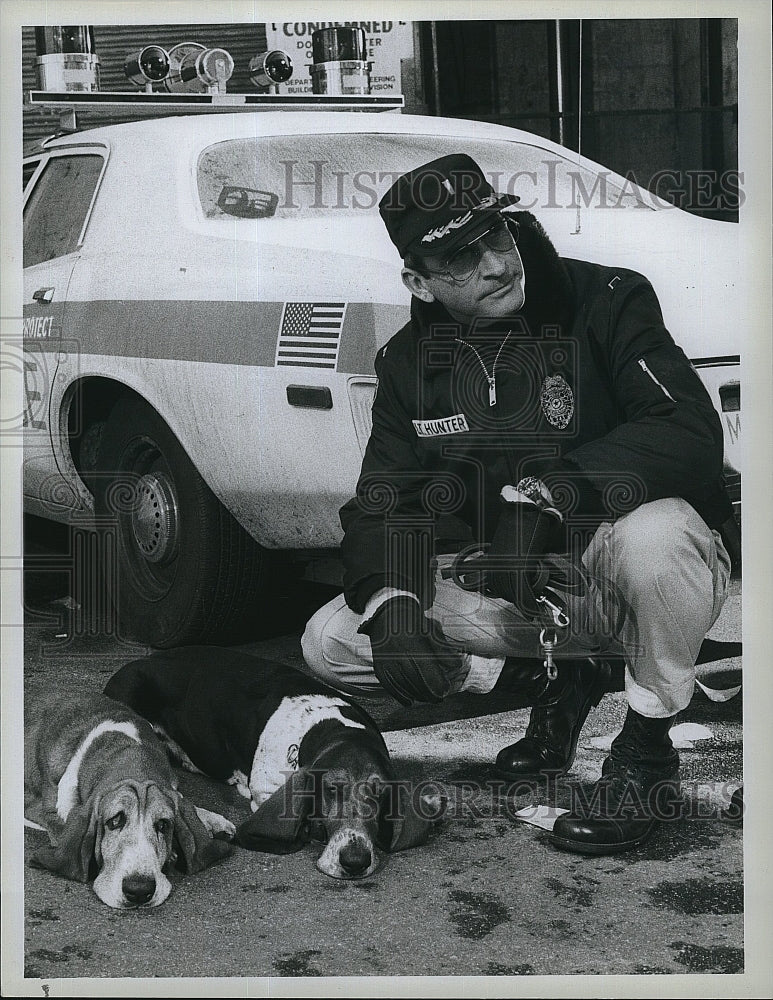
column 138, row 889
column 355, row 859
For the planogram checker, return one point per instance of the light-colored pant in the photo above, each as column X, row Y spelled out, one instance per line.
column 658, row 580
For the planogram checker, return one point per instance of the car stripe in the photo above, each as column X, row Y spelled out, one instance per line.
column 358, row 342
column 237, row 333
column 234, row 333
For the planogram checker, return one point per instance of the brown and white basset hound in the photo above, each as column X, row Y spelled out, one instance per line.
column 99, row 782
column 313, row 765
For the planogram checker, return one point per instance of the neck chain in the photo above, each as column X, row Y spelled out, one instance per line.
column 492, row 378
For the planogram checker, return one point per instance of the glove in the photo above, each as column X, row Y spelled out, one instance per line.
column 525, row 533
column 409, row 663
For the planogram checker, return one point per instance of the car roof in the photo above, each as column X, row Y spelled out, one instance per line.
column 195, row 130
column 285, row 122
column 211, row 127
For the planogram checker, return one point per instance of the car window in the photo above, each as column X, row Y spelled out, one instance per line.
column 57, row 208
column 28, row 170
column 331, row 175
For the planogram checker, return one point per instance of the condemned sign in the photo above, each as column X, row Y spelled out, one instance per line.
column 386, row 42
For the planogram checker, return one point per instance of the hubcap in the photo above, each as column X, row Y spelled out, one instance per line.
column 154, row 518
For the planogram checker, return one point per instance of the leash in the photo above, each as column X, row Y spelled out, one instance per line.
column 468, row 571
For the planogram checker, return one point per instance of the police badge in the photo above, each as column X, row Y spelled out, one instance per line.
column 557, row 401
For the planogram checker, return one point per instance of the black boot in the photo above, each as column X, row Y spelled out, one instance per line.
column 639, row 787
column 556, row 720
column 523, row 676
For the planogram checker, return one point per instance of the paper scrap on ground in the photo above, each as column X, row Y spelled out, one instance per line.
column 685, row 735
column 541, row 816
column 601, row 742
column 682, row 736
column 718, row 694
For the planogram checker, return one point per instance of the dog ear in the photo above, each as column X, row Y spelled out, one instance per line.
column 193, row 844
column 73, row 854
column 405, row 819
column 159, row 683
column 279, row 825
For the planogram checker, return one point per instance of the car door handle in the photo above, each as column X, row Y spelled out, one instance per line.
column 316, row 397
column 44, row 295
column 730, row 396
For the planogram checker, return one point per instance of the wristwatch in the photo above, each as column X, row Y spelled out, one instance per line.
column 534, row 489
column 529, row 488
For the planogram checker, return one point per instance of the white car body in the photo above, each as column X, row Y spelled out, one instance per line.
column 187, row 310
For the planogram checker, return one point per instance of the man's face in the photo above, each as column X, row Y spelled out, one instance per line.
column 495, row 290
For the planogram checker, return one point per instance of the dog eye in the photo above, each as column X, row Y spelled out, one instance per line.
column 163, row 826
column 116, row 822
column 317, row 831
column 330, row 789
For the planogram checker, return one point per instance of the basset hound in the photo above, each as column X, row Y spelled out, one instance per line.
column 313, row 765
column 98, row 781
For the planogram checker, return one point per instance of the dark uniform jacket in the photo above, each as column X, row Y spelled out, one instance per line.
column 592, row 396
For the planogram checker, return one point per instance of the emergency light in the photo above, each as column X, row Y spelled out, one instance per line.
column 195, row 69
column 66, row 60
column 339, row 65
column 270, row 68
column 68, row 78
column 148, row 66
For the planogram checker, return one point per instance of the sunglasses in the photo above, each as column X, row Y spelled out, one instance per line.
column 460, row 267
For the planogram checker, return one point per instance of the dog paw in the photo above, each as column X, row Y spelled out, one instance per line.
column 217, row 825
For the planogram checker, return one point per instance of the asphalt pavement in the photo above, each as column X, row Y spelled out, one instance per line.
column 487, row 896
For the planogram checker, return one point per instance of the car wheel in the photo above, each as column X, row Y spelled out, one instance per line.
column 185, row 571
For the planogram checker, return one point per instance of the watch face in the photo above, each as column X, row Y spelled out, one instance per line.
column 531, row 487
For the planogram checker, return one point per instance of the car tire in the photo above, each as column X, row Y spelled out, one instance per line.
column 184, row 571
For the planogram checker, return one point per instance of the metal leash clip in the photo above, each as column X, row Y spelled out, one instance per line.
column 557, row 611
column 548, row 645
column 548, row 637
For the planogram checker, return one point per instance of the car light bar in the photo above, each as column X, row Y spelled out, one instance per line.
column 155, row 105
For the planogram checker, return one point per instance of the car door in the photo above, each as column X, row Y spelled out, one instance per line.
column 59, row 189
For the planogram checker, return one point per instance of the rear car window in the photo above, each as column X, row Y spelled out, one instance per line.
column 27, row 171
column 307, row 176
column 56, row 209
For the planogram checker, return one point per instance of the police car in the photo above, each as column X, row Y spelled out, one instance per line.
column 203, row 298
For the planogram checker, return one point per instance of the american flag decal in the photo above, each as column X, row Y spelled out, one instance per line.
column 310, row 334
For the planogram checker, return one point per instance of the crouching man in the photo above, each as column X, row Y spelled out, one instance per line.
column 542, row 484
